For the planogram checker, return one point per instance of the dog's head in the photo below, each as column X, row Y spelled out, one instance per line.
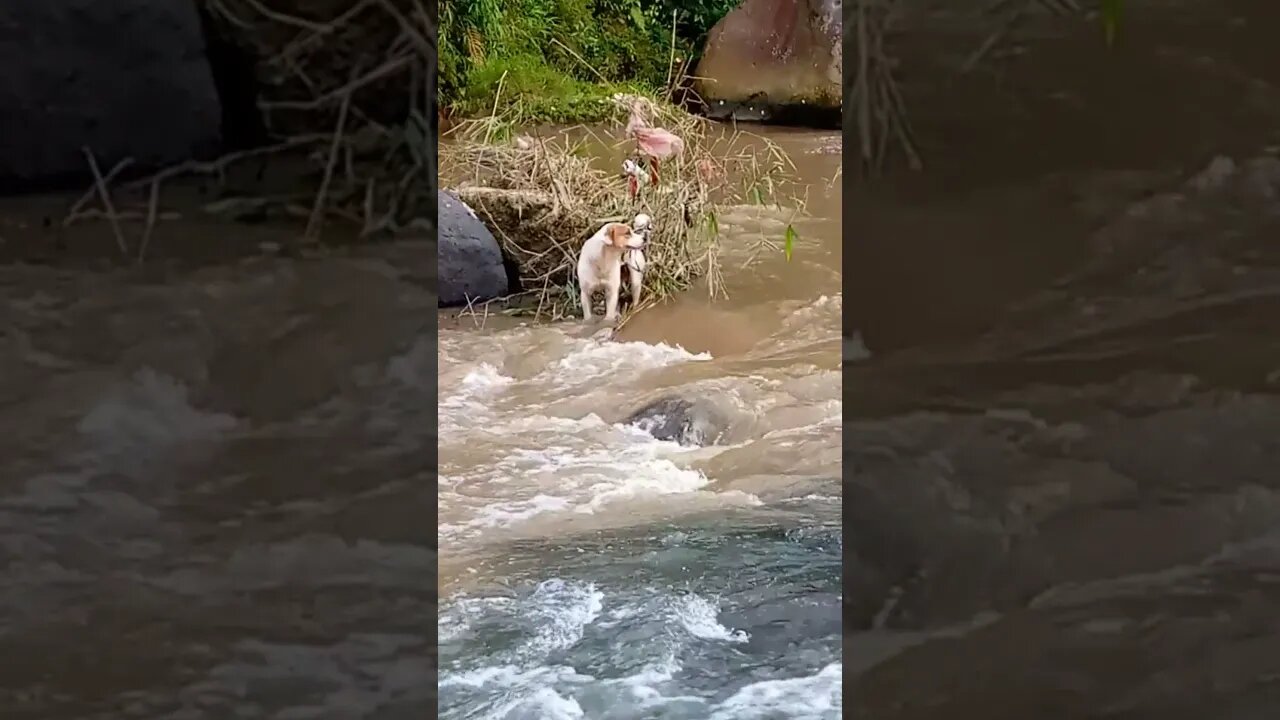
column 623, row 237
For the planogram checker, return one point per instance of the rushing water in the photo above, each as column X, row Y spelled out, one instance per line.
column 1060, row 453
column 211, row 490
column 589, row 570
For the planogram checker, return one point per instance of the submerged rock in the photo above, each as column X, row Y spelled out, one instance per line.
column 124, row 79
column 678, row 420
column 470, row 261
column 775, row 60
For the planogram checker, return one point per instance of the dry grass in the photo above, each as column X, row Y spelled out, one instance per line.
column 544, row 196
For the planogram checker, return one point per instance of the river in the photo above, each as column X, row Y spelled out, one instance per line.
column 589, row 570
column 212, row 487
column 1060, row 454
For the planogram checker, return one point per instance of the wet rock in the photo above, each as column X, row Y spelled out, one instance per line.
column 679, row 420
column 773, row 58
column 79, row 74
column 470, row 261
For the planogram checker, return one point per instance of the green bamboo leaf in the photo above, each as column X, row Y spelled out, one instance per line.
column 1111, row 19
column 789, row 242
column 713, row 225
column 637, row 17
column 756, row 195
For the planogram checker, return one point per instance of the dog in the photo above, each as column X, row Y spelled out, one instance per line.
column 634, row 258
column 600, row 266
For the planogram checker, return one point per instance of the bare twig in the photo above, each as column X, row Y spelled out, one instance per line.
column 388, row 164
column 287, row 19
column 153, row 207
column 387, row 68
column 317, row 211
column 105, row 196
column 93, row 191
column 220, row 165
column 879, row 110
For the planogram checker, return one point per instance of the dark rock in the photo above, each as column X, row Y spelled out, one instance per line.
column 776, row 60
column 126, row 79
column 678, row 420
column 470, row 261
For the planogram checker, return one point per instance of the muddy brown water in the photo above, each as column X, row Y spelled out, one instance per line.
column 591, row 571
column 1059, row 456
column 214, row 470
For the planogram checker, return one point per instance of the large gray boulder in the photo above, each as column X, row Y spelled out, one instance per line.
column 127, row 79
column 675, row 419
column 771, row 59
column 470, row 261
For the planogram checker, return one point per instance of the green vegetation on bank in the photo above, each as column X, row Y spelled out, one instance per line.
column 560, row 60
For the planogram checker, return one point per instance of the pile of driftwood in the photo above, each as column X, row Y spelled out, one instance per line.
column 543, row 194
column 347, row 91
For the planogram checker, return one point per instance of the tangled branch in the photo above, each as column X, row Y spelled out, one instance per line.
column 873, row 99
column 368, row 121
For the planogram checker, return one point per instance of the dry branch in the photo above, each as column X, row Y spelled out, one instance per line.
column 543, row 197
column 311, row 99
column 879, row 112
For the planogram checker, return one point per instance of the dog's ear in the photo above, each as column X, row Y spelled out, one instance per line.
column 618, row 234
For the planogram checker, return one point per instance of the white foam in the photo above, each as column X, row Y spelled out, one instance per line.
column 508, row 676
column 583, row 466
column 468, row 403
column 481, row 381
column 650, row 478
column 524, row 693
column 524, row 681
column 563, row 611
column 591, row 360
column 854, row 349
column 503, row 514
column 456, row 623
column 148, row 412
column 550, row 705
column 823, row 305
column 815, row 697
column 698, row 616
column 409, row 369
column 642, row 687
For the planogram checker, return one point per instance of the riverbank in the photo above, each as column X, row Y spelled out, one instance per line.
column 528, row 197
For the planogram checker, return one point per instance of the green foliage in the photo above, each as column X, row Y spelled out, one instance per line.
column 559, row 60
column 543, row 92
column 694, row 18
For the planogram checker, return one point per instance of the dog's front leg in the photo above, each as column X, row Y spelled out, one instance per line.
column 586, row 304
column 611, row 301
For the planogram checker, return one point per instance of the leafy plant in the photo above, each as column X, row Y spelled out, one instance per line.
column 563, row 58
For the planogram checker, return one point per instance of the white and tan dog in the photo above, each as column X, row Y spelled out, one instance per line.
column 600, row 266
